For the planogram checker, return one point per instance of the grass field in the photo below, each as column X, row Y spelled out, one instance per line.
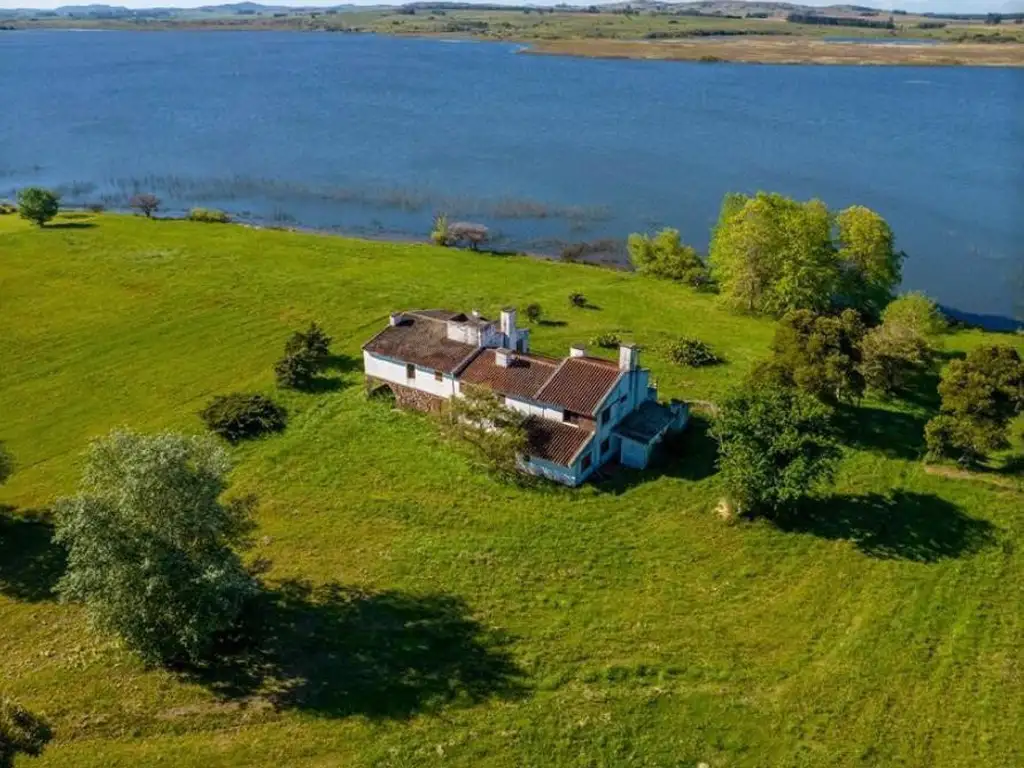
column 427, row 615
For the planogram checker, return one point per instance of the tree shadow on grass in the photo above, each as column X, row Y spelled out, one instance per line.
column 894, row 433
column 321, row 384
column 338, row 652
column 70, row 225
column 688, row 455
column 904, row 526
column 341, row 363
column 30, row 562
column 552, row 323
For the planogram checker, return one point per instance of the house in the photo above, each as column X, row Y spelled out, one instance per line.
column 582, row 411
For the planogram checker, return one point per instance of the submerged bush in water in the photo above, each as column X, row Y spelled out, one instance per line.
column 208, row 215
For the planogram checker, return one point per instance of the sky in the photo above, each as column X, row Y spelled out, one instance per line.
column 956, row 6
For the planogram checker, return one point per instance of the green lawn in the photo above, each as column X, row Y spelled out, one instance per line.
column 427, row 615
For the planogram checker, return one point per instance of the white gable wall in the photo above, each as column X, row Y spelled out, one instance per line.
column 394, row 371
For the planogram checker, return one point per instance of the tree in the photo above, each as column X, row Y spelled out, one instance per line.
column 240, row 416
column 38, row 204
column 903, row 344
column 533, row 312
column 439, row 233
column 870, row 267
column 772, row 254
column 145, row 203
column 473, row 235
column 775, row 446
column 296, row 371
column 21, row 733
column 496, row 432
column 666, row 256
column 577, row 299
column 314, row 341
column 980, row 395
column 819, row 354
column 151, row 545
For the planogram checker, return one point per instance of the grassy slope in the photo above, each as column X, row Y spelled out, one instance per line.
column 646, row 630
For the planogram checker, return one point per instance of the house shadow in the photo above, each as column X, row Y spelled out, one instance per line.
column 688, row 455
column 896, row 434
column 30, row 562
column 910, row 526
column 338, row 652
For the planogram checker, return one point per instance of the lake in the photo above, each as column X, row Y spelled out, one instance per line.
column 373, row 135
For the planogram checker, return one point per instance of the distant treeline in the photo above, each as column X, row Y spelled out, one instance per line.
column 838, row 21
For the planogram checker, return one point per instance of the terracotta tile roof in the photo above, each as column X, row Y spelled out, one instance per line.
column 555, row 441
column 580, row 384
column 421, row 338
column 525, row 375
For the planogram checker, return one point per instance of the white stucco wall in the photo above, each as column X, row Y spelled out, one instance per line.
column 394, row 371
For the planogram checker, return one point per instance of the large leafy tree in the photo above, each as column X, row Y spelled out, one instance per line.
column 980, row 396
column 665, row 255
column 495, row 432
column 770, row 253
column 775, row 446
column 870, row 266
column 38, row 204
column 151, row 545
column 819, row 354
column 902, row 344
column 21, row 733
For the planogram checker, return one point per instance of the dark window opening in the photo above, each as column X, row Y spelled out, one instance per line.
column 605, row 445
column 438, row 376
column 410, row 371
column 605, row 414
column 586, row 462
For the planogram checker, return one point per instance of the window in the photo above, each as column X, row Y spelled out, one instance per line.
column 605, row 445
column 410, row 371
column 586, row 462
column 438, row 376
column 603, row 418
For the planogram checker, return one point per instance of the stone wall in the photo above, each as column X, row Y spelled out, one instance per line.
column 407, row 397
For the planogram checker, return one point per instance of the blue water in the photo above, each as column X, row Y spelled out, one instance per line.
column 373, row 135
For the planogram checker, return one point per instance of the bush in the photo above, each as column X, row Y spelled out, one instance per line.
column 666, row 256
column 439, row 232
column 533, row 312
column 7, row 208
column 296, row 371
column 465, row 232
column 577, row 299
column 693, row 353
column 94, row 207
column 606, row 340
column 240, row 416
column 38, row 205
column 314, row 341
column 208, row 216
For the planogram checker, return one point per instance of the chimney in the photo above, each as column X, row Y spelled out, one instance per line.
column 508, row 324
column 577, row 350
column 396, row 318
column 627, row 357
column 503, row 357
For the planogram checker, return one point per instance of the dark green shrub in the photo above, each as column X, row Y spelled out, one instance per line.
column 606, row 340
column 7, row 208
column 533, row 312
column 693, row 353
column 38, row 204
column 296, row 371
column 208, row 215
column 313, row 341
column 240, row 416
column 577, row 299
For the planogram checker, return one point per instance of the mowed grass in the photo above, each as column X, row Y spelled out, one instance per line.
column 426, row 614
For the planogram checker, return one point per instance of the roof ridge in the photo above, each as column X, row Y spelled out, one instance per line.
column 536, row 395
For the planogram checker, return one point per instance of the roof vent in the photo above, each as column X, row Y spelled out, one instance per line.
column 577, row 350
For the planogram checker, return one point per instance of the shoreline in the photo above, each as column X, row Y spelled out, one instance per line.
column 788, row 50
column 737, row 49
